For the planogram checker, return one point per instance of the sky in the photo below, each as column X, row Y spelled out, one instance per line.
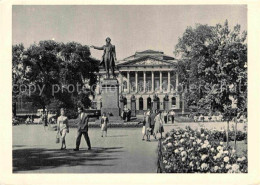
column 131, row 28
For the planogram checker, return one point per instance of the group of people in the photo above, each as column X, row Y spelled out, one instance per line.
column 152, row 124
column 82, row 127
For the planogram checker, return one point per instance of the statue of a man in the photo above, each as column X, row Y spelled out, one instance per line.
column 109, row 57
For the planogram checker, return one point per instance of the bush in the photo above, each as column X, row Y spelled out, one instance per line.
column 72, row 124
column 193, row 151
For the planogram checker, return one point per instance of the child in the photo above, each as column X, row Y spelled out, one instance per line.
column 104, row 122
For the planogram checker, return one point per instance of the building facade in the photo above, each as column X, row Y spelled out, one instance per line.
column 145, row 78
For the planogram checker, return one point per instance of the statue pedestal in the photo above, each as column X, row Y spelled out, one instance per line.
column 110, row 100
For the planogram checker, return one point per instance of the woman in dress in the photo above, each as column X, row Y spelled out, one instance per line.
column 143, row 128
column 148, row 125
column 158, row 126
column 104, row 122
column 62, row 127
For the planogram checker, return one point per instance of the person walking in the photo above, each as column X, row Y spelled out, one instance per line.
column 148, row 128
column 153, row 114
column 44, row 121
column 62, row 127
column 146, row 125
column 82, row 129
column 165, row 116
column 158, row 126
column 104, row 123
column 172, row 116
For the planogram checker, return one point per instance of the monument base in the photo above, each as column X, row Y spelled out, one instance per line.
column 110, row 99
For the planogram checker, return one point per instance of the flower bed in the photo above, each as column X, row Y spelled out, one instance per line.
column 193, row 151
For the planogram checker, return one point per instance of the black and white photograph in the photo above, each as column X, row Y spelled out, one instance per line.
column 129, row 89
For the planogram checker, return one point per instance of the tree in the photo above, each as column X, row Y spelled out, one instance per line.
column 215, row 58
column 49, row 69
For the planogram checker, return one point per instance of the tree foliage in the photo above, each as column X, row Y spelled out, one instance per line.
column 52, row 71
column 214, row 65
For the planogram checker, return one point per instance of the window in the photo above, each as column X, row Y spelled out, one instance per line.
column 141, row 103
column 173, row 101
column 149, row 103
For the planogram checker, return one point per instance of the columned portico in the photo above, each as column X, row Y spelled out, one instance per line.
column 146, row 74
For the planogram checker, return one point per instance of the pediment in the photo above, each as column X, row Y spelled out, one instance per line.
column 146, row 61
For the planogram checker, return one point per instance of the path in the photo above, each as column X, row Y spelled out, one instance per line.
column 123, row 151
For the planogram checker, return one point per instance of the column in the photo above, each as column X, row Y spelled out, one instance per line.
column 145, row 102
column 128, row 81
column 144, row 81
column 169, row 81
column 121, row 81
column 152, row 81
column 177, row 80
column 160, row 81
column 136, row 82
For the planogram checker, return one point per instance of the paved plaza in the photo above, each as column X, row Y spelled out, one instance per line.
column 123, row 151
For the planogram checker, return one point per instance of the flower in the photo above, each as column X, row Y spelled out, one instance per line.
column 198, row 141
column 233, row 151
column 215, row 157
column 212, row 149
column 216, row 168
column 182, row 140
column 206, row 142
column 203, row 157
column 225, row 152
column 226, row 159
column 183, row 159
column 194, row 143
column 183, row 153
column 181, row 148
column 239, row 159
column 176, row 151
column 204, row 166
column 169, row 145
column 192, row 138
column 191, row 164
column 221, row 143
column 243, row 158
column 228, row 166
column 219, row 155
column 219, row 148
column 204, row 146
column 164, row 161
column 202, row 135
column 235, row 167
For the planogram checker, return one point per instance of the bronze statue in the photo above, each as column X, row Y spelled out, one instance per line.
column 109, row 57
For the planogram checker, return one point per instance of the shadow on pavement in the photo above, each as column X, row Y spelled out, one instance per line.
column 40, row 158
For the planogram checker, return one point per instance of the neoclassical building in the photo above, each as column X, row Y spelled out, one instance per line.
column 145, row 78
